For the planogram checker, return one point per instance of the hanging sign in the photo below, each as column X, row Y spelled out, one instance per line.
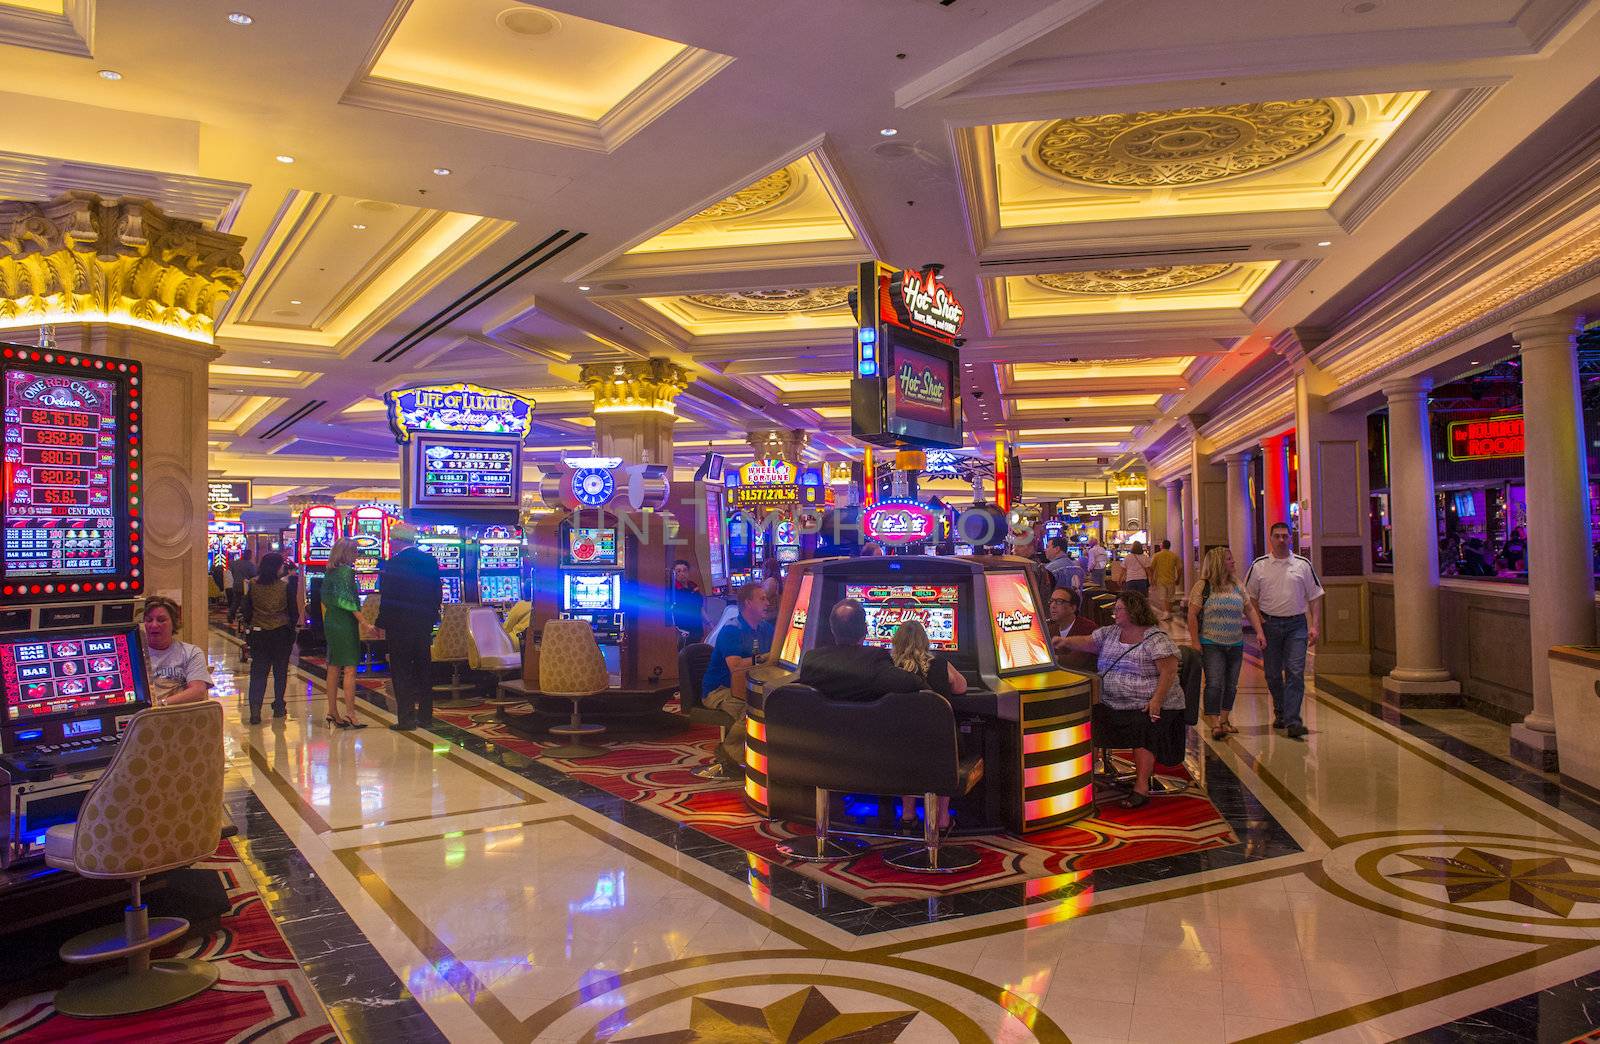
column 920, row 301
column 458, row 407
column 225, row 497
column 1486, row 439
column 900, row 522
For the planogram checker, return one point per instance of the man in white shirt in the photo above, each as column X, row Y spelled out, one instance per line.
column 1288, row 593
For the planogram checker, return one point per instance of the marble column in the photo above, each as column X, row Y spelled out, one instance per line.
column 1419, row 672
column 1173, row 530
column 1185, row 544
column 1275, row 480
column 1241, row 511
column 1560, row 571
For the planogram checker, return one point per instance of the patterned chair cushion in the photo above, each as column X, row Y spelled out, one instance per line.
column 159, row 804
column 453, row 640
column 570, row 662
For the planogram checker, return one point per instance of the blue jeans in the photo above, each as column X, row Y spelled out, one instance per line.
column 1283, row 655
column 1222, row 675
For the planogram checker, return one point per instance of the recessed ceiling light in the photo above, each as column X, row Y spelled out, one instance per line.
column 284, row 159
column 240, row 18
column 110, row 74
column 1472, row 362
column 1326, row 242
column 358, row 227
column 583, row 288
column 443, row 172
column 266, row 362
column 292, row 301
column 889, row 132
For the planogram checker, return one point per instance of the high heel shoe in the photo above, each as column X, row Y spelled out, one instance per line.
column 338, row 723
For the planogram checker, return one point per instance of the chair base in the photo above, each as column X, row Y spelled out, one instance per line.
column 574, row 751
column 713, row 772
column 117, row 991
column 815, row 849
column 455, row 704
column 118, row 940
column 946, row 859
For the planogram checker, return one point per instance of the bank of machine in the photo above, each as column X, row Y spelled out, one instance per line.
column 496, row 560
column 224, row 539
column 72, row 670
column 1029, row 718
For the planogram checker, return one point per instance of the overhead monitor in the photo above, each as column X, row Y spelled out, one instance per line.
column 460, row 471
column 499, row 555
column 70, row 449
column 70, row 674
column 446, row 552
column 888, row 605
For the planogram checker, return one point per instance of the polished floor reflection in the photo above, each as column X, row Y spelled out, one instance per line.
column 1410, row 890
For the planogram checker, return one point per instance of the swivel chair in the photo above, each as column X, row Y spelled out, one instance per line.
column 490, row 649
column 157, row 807
column 693, row 659
column 572, row 667
column 451, row 645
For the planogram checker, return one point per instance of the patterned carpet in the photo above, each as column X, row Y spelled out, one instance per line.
column 261, row 997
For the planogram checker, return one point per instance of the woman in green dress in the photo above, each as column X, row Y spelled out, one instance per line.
column 339, row 605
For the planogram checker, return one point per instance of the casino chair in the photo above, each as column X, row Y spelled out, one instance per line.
column 490, row 649
column 693, row 659
column 452, row 644
column 367, row 622
column 571, row 667
column 899, row 743
column 157, row 807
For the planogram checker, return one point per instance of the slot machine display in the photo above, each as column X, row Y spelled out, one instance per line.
column 448, row 548
column 224, row 539
column 71, row 662
column 591, row 580
column 1029, row 718
column 369, row 527
column 320, row 527
column 499, row 565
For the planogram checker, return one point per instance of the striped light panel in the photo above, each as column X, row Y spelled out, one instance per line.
column 1055, row 739
column 1040, row 775
column 1044, row 808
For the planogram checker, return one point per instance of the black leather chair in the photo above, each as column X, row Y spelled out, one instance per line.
column 899, row 743
column 693, row 659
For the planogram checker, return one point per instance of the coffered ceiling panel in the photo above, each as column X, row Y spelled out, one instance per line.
column 774, row 311
column 1129, row 291
column 66, row 26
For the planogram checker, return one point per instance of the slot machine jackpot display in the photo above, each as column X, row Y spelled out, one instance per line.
column 71, row 662
column 771, row 497
column 448, row 548
column 702, row 507
column 905, row 389
column 985, row 614
column 319, row 529
column 460, row 452
column 498, row 565
column 369, row 527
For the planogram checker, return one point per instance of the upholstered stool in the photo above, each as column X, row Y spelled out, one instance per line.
column 490, row 649
column 157, row 807
column 572, row 667
column 452, row 645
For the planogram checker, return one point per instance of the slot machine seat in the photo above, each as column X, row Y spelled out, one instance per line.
column 157, row 807
column 693, row 660
column 899, row 743
column 571, row 667
column 452, row 644
column 490, row 649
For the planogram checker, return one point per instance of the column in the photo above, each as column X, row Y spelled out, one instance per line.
column 1419, row 657
column 1184, row 545
column 1275, row 479
column 1173, row 530
column 635, row 407
column 1241, row 511
column 1560, row 580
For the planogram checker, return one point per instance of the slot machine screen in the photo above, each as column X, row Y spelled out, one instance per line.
column 795, row 638
column 499, row 556
column 446, row 552
column 499, row 588
column 450, row 588
column 591, row 547
column 1019, row 638
column 321, row 535
column 935, row 606
column 716, row 546
column 66, row 464
column 366, row 582
column 466, row 472
column 70, row 674
column 592, row 592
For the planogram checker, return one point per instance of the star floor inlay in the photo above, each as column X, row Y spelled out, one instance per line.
column 803, row 1017
column 1544, row 883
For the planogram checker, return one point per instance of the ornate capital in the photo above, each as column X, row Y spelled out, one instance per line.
column 81, row 258
column 779, row 443
column 1555, row 330
column 649, row 385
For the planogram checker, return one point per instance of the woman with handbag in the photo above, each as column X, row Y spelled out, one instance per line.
column 1218, row 607
column 271, row 615
column 340, row 603
column 1141, row 705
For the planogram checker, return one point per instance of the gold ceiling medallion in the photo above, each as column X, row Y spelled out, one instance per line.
column 1132, row 280
column 81, row 259
column 1183, row 146
column 815, row 299
column 752, row 199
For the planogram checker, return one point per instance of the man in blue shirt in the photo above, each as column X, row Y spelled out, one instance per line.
column 1064, row 569
column 736, row 647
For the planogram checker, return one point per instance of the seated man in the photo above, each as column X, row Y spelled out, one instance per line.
column 1064, row 606
column 736, row 646
column 851, row 670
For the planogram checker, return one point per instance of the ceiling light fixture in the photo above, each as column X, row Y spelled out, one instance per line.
column 240, row 18
column 443, row 172
column 889, row 132
column 358, row 227
column 294, row 301
column 583, row 288
column 284, row 159
column 1326, row 243
column 110, row 74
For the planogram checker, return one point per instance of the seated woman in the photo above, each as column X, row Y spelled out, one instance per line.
column 913, row 654
column 178, row 670
column 1141, row 705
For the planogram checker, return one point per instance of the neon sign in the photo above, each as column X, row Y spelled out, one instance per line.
column 922, row 302
column 900, row 522
column 458, row 407
column 768, row 473
column 1486, row 439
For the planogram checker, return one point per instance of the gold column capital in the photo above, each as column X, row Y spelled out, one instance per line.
column 635, row 387
column 80, row 258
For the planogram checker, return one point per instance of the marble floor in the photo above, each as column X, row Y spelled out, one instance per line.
column 433, row 890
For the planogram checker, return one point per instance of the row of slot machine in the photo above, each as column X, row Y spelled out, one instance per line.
column 480, row 564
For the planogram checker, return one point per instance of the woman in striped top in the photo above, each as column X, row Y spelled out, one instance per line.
column 1218, row 607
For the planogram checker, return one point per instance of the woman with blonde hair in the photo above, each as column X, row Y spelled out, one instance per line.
column 913, row 653
column 339, row 606
column 1218, row 608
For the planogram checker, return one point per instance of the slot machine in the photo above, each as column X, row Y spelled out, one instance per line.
column 498, row 562
column 448, row 548
column 591, row 581
column 224, row 539
column 72, row 665
column 369, row 527
column 319, row 531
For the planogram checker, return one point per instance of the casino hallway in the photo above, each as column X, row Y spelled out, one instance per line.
column 440, row 886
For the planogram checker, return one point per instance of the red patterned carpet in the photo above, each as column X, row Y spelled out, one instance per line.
column 657, row 772
column 261, row 997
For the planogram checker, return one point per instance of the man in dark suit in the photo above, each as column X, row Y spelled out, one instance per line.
column 408, row 609
column 849, row 669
